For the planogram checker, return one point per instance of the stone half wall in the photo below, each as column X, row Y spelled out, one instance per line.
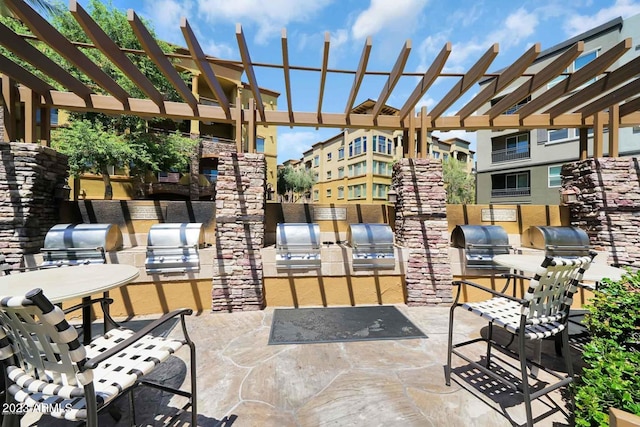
column 421, row 226
column 240, row 207
column 29, row 176
column 607, row 204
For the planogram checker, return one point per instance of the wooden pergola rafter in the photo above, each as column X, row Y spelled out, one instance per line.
column 580, row 100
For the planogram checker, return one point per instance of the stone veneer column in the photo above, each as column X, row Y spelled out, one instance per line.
column 608, row 204
column 29, row 176
column 240, row 207
column 421, row 226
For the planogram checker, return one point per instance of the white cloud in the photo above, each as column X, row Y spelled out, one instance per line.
column 221, row 50
column 339, row 38
column 425, row 102
column 291, row 144
column 270, row 17
column 165, row 16
column 577, row 24
column 385, row 15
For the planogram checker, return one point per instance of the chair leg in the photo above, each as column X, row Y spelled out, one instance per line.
column 567, row 352
column 132, row 409
column 194, row 396
column 525, row 379
column 447, row 371
column 489, row 338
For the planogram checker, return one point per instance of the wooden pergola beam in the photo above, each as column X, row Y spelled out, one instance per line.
column 474, row 74
column 19, row 74
column 542, row 77
column 630, row 107
column 158, row 57
column 497, row 84
column 10, row 97
column 360, row 72
column 48, row 34
column 426, row 81
column 29, row 53
column 396, row 73
column 204, row 66
column 575, row 80
column 248, row 68
column 323, row 72
column 597, row 88
column 611, row 98
column 614, row 130
column 113, row 52
column 287, row 74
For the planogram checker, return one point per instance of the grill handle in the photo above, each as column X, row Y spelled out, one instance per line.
column 173, row 247
column 487, row 245
column 98, row 248
column 567, row 247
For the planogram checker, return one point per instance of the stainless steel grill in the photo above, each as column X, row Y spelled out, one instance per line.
column 173, row 248
column 558, row 241
column 297, row 246
column 372, row 245
column 481, row 243
column 72, row 244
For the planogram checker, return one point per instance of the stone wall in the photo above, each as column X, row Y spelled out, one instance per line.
column 421, row 226
column 240, row 207
column 1, row 123
column 29, row 176
column 608, row 204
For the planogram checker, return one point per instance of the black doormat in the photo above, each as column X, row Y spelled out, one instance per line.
column 318, row 325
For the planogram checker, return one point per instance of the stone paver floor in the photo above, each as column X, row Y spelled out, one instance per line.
column 242, row 381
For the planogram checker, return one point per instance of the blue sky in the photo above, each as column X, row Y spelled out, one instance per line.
column 471, row 26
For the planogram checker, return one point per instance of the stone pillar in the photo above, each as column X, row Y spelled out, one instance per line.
column 607, row 205
column 240, row 207
column 421, row 226
column 1, row 123
column 29, row 177
column 194, row 172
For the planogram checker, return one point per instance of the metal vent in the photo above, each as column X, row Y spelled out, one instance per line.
column 481, row 243
column 297, row 246
column 72, row 244
column 173, row 248
column 558, row 241
column 372, row 246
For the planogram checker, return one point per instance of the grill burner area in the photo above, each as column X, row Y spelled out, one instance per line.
column 558, row 241
column 73, row 244
column 372, row 246
column 297, row 246
column 173, row 248
column 481, row 243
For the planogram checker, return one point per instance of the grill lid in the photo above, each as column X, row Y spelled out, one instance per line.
column 558, row 241
column 173, row 248
column 297, row 245
column 481, row 243
column 372, row 245
column 70, row 244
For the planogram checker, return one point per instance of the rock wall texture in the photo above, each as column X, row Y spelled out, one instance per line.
column 421, row 226
column 29, row 176
column 607, row 204
column 240, row 207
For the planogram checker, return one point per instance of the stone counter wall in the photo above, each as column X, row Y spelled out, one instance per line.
column 421, row 226
column 608, row 204
column 29, row 176
column 240, row 207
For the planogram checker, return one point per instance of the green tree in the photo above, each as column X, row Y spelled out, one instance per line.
column 91, row 148
column 294, row 182
column 459, row 183
column 43, row 5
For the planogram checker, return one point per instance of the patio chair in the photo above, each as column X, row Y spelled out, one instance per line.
column 49, row 370
column 542, row 312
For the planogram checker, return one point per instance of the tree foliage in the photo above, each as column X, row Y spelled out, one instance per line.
column 294, row 182
column 155, row 152
column 459, row 183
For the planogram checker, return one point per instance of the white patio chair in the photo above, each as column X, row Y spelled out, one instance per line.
column 542, row 312
column 48, row 369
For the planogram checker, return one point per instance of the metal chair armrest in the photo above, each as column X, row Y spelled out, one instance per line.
column 95, row 361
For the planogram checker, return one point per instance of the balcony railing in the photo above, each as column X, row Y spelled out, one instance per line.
column 511, row 192
column 509, row 154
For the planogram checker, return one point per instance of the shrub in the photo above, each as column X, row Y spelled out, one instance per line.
column 612, row 375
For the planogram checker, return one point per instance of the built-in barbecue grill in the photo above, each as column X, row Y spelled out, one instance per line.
column 481, row 243
column 297, row 246
column 558, row 241
column 72, row 244
column 372, row 246
column 173, row 248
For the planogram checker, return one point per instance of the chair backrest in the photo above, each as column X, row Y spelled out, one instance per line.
column 550, row 293
column 36, row 337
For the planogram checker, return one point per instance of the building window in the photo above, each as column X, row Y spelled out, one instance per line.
column 340, row 153
column 555, row 180
column 328, row 157
column 341, row 172
column 511, row 148
column 316, row 177
column 328, row 192
column 558, row 134
column 510, row 184
column 259, row 145
column 54, row 117
column 436, row 154
column 328, row 175
column 358, row 191
column 316, row 161
column 316, row 194
column 445, row 156
column 575, row 66
column 358, row 146
column 356, row 169
column 381, row 168
column 636, row 129
column 340, row 192
column 513, row 109
column 382, row 144
column 380, row 191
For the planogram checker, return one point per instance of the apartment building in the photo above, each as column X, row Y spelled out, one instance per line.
column 523, row 167
column 355, row 165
